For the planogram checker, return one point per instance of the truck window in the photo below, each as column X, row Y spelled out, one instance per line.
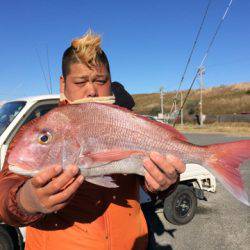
column 40, row 111
column 8, row 112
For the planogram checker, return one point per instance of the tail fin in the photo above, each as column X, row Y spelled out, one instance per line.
column 225, row 162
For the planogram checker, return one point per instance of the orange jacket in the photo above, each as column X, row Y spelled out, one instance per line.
column 96, row 218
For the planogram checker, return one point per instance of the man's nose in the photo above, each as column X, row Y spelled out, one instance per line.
column 91, row 91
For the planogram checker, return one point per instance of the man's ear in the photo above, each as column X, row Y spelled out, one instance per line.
column 62, row 88
column 62, row 84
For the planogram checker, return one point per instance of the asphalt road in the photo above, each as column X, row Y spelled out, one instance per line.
column 222, row 222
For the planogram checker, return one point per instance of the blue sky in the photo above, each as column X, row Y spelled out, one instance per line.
column 147, row 42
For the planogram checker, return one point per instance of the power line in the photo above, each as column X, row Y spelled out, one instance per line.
column 215, row 34
column 50, row 82
column 41, row 66
column 191, row 53
column 205, row 57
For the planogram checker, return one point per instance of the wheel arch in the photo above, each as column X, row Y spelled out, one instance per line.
column 15, row 235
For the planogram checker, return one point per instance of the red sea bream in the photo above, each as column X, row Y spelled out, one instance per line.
column 104, row 139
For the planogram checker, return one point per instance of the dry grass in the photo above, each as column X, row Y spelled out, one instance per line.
column 230, row 128
column 220, row 100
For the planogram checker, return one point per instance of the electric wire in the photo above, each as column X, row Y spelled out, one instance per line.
column 43, row 72
column 204, row 58
column 191, row 54
column 48, row 64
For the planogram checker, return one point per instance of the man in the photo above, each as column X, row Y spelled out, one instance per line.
column 63, row 210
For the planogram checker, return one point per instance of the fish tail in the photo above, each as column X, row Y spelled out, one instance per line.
column 225, row 161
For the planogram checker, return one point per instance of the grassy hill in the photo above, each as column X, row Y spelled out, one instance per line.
column 225, row 99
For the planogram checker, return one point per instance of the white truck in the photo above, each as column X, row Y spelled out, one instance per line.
column 179, row 207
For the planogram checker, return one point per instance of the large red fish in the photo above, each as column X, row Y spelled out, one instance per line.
column 104, row 139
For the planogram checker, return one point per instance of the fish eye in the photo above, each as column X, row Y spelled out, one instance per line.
column 44, row 138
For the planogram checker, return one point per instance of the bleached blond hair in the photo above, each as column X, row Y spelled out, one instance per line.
column 87, row 48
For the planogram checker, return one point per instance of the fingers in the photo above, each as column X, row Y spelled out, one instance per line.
column 50, row 190
column 61, row 181
column 155, row 172
column 179, row 166
column 153, row 185
column 155, row 179
column 45, row 176
column 67, row 193
column 162, row 171
column 169, row 164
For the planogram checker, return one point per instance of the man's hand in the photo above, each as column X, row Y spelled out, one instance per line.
column 50, row 190
column 162, row 172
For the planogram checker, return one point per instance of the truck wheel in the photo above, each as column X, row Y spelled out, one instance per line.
column 179, row 207
column 5, row 240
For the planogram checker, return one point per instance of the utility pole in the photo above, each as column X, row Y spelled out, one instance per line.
column 181, row 111
column 201, row 71
column 161, row 97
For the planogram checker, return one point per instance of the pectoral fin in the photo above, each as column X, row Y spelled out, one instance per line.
column 104, row 181
column 112, row 155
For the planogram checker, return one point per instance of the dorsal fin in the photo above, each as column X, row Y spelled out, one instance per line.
column 176, row 133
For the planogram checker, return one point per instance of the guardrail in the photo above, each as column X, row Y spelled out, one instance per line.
column 228, row 118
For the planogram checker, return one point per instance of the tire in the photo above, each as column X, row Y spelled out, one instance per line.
column 179, row 207
column 5, row 240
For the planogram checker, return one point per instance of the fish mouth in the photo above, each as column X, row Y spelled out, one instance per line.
column 18, row 170
column 22, row 169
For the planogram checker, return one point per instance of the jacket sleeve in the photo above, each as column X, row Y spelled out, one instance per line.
column 10, row 212
column 122, row 97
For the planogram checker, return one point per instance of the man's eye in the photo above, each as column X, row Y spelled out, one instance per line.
column 80, row 83
column 101, row 82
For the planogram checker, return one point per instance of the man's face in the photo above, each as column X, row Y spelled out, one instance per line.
column 83, row 82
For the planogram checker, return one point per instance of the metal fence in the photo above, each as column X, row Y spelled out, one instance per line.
column 228, row 118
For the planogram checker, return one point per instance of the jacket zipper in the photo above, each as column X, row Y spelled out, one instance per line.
column 107, row 229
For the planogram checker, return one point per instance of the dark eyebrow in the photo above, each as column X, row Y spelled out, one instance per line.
column 82, row 77
column 104, row 75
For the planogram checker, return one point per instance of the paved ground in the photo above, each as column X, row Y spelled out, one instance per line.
column 220, row 223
